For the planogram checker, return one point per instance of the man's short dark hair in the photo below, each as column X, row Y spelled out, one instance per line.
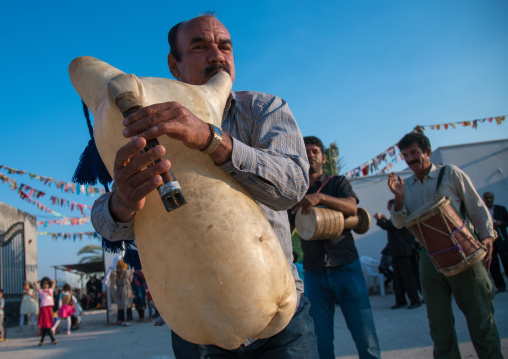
column 414, row 137
column 173, row 34
column 313, row 140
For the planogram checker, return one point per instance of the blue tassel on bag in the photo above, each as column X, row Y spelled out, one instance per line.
column 131, row 257
column 91, row 168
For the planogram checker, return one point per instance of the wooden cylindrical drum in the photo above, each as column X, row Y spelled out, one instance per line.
column 450, row 243
column 319, row 223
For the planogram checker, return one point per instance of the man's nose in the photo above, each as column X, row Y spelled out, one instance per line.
column 216, row 55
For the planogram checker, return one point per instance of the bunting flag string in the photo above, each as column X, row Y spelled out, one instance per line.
column 36, row 193
column 474, row 123
column 64, row 186
column 387, row 157
column 73, row 236
column 372, row 166
column 65, row 221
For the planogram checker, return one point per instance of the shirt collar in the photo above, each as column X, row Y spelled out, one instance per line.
column 230, row 106
column 321, row 178
column 433, row 173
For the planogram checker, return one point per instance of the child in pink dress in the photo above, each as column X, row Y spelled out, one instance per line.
column 66, row 303
column 46, row 310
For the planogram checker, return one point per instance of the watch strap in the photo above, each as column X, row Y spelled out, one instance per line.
column 216, row 140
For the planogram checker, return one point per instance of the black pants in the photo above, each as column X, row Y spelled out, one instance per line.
column 495, row 268
column 49, row 332
column 405, row 281
column 121, row 315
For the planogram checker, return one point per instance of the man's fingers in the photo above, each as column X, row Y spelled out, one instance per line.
column 138, row 179
column 147, row 112
column 140, row 191
column 142, row 121
column 128, row 164
column 401, row 181
column 125, row 153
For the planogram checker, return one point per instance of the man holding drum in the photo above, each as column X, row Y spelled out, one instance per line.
column 471, row 288
column 260, row 146
column 333, row 273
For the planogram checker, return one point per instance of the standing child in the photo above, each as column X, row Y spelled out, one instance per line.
column 28, row 306
column 66, row 303
column 46, row 311
column 2, row 305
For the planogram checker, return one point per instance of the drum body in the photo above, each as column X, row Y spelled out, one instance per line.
column 326, row 223
column 450, row 243
column 319, row 223
column 215, row 268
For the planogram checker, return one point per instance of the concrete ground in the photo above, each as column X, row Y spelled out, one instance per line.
column 402, row 334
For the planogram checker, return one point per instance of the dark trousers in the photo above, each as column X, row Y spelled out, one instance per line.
column 472, row 290
column 121, row 315
column 296, row 341
column 48, row 331
column 495, row 268
column 405, row 280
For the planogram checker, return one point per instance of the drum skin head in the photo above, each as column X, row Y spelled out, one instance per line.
column 363, row 221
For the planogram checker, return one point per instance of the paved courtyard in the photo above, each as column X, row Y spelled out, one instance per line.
column 402, row 333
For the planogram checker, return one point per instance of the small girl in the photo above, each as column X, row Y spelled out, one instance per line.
column 66, row 303
column 46, row 311
column 28, row 306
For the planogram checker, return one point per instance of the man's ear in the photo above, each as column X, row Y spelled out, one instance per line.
column 429, row 151
column 324, row 158
column 173, row 66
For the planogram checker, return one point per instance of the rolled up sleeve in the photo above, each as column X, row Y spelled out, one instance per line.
column 106, row 226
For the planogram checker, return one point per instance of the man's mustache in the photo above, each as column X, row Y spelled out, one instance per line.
column 413, row 162
column 219, row 66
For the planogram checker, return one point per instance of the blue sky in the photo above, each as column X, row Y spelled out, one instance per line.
column 361, row 73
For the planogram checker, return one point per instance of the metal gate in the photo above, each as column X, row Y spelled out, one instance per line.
column 12, row 269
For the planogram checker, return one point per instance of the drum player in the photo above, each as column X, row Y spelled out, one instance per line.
column 260, row 146
column 332, row 270
column 471, row 288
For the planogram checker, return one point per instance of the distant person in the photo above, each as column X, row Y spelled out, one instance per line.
column 332, row 270
column 121, row 291
column 2, row 305
column 401, row 244
column 139, row 289
column 28, row 306
column 471, row 288
column 499, row 216
column 46, row 308
column 66, row 307
column 76, row 317
column 384, row 265
column 152, row 310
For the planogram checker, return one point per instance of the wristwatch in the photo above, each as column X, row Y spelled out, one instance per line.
column 216, row 140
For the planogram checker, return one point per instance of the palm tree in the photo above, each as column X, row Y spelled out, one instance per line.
column 93, row 253
column 334, row 163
